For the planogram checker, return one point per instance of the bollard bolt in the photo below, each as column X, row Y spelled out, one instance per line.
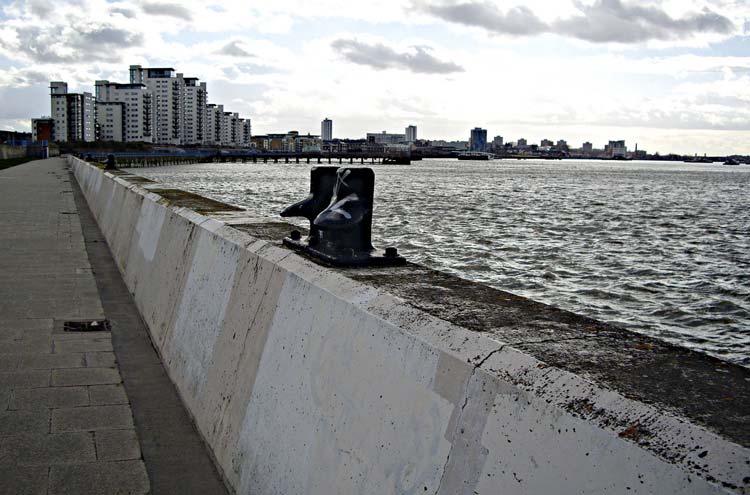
column 391, row 252
column 296, row 236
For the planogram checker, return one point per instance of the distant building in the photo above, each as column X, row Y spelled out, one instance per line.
column 411, row 133
column 166, row 91
column 385, row 138
column 110, row 121
column 326, row 130
column 497, row 142
column 455, row 145
column 192, row 119
column 136, row 119
column 587, row 147
column 562, row 145
column 214, row 118
column 42, row 129
column 522, row 143
column 546, row 143
column 616, row 149
column 259, row 142
column 478, row 139
column 73, row 114
column 247, row 128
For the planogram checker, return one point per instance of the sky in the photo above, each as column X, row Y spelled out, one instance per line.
column 670, row 75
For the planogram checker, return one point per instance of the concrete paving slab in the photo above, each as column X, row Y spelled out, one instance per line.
column 24, row 449
column 29, row 345
column 91, row 418
column 100, row 359
column 50, row 361
column 84, row 376
column 8, row 362
column 21, row 480
column 24, row 379
column 34, row 421
column 117, row 445
column 83, row 345
column 51, row 397
column 107, row 395
column 101, row 478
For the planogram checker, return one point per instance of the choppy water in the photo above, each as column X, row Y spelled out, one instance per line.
column 661, row 248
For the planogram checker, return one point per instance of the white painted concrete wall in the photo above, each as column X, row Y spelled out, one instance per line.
column 303, row 381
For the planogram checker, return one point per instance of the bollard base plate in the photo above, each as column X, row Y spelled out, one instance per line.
column 365, row 260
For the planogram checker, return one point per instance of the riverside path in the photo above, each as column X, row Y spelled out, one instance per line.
column 84, row 412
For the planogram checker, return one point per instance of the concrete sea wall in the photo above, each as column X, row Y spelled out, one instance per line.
column 302, row 379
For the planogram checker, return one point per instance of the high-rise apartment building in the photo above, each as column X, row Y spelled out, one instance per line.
column 214, row 116
column 110, row 121
column 246, row 132
column 478, row 139
column 167, row 101
column 156, row 106
column 226, row 129
column 137, row 115
column 73, row 114
column 326, row 130
column 411, row 133
column 193, row 110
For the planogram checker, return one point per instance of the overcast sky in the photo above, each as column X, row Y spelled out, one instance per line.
column 671, row 75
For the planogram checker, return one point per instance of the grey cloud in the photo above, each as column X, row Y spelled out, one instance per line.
column 722, row 100
column 123, row 12
column 233, row 49
column 614, row 21
column 517, row 21
column 82, row 43
column 41, row 8
column 108, row 37
column 30, row 77
column 257, row 70
column 382, row 57
column 167, row 9
column 604, row 21
column 730, row 119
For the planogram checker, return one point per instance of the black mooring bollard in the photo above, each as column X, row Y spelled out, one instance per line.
column 111, row 164
column 341, row 233
column 322, row 182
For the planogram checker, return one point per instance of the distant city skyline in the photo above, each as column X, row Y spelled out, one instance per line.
column 672, row 75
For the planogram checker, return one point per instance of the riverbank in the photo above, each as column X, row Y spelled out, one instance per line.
column 305, row 378
column 656, row 248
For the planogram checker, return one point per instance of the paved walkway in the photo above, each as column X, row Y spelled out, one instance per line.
column 80, row 412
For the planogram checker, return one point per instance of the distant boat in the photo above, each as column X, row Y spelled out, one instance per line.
column 731, row 161
column 474, row 155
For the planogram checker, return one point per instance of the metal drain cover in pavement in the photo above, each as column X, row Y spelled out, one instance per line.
column 86, row 326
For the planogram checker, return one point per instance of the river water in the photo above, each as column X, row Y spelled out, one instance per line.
column 662, row 248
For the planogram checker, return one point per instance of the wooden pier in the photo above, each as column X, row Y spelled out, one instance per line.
column 135, row 161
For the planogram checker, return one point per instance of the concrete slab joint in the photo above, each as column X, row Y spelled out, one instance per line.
column 304, row 379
